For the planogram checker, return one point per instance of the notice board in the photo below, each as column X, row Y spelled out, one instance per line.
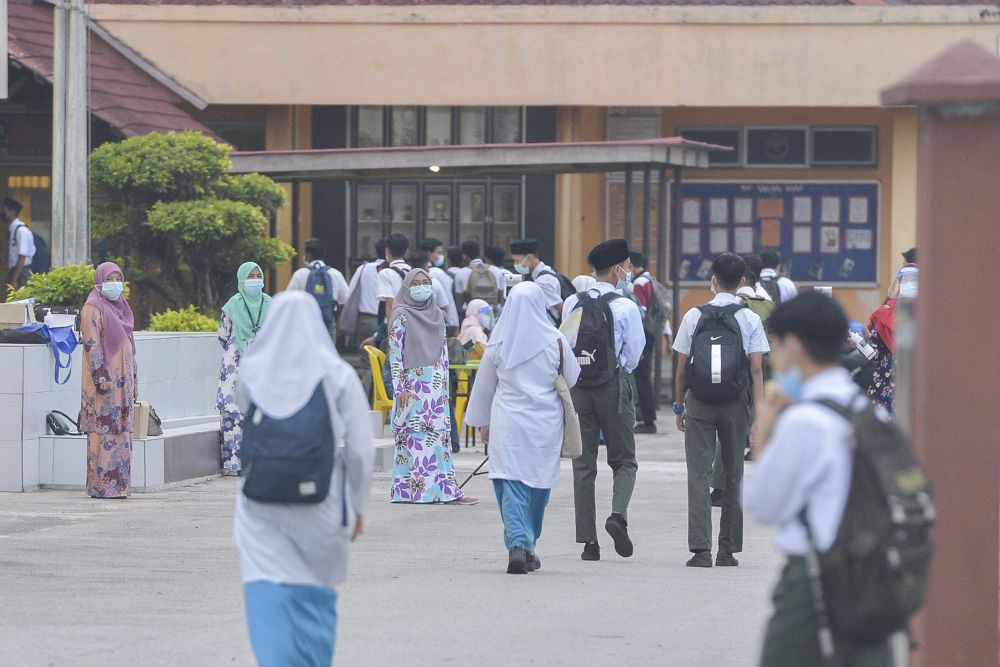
column 827, row 231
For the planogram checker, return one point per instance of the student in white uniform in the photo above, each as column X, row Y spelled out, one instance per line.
column 293, row 556
column 21, row 249
column 365, row 280
column 316, row 258
column 434, row 250
column 390, row 277
column 779, row 287
column 720, row 375
column 471, row 255
column 524, row 253
column 515, row 402
column 803, row 459
column 607, row 405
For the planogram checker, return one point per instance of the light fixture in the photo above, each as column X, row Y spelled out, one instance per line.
column 435, row 168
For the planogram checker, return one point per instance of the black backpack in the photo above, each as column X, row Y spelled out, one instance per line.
column 874, row 577
column 770, row 286
column 289, row 460
column 320, row 285
column 718, row 369
column 566, row 289
column 595, row 341
column 42, row 261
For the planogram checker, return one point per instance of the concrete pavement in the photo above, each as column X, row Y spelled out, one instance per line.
column 155, row 581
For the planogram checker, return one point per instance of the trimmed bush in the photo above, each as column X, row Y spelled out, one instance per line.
column 62, row 286
column 185, row 319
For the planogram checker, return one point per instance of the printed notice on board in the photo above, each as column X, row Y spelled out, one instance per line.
column 718, row 211
column 743, row 240
column 691, row 213
column 830, row 210
column 859, row 239
column 743, row 211
column 770, row 233
column 802, row 209
column 858, row 211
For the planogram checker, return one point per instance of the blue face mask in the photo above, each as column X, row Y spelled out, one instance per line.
column 521, row 268
column 112, row 290
column 254, row 285
column 790, row 383
column 421, row 292
column 439, row 261
column 623, row 283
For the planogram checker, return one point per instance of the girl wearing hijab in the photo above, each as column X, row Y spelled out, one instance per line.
column 478, row 320
column 293, row 556
column 882, row 327
column 423, row 471
column 242, row 317
column 515, row 402
column 109, row 388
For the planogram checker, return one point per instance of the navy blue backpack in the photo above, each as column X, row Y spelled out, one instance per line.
column 320, row 285
column 289, row 460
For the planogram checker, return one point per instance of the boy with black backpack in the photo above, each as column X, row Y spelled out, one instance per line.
column 719, row 374
column 325, row 283
column 852, row 505
column 607, row 346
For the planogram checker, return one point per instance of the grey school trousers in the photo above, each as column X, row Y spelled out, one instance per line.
column 729, row 423
column 608, row 408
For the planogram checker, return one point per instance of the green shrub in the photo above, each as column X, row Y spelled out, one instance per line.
column 186, row 319
column 62, row 286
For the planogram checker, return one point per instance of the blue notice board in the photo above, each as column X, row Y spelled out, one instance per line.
column 827, row 231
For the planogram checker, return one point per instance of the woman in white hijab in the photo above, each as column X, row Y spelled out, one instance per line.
column 294, row 555
column 515, row 402
column 478, row 319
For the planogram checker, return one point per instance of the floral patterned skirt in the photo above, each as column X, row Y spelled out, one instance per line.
column 423, row 471
column 232, row 438
column 109, row 465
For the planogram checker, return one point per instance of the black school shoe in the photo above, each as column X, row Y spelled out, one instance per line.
column 532, row 561
column 645, row 428
column 700, row 559
column 617, row 528
column 591, row 551
column 724, row 559
column 518, row 563
column 718, row 495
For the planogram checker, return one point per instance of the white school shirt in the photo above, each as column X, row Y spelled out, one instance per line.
column 462, row 276
column 762, row 293
column 341, row 291
column 439, row 275
column 549, row 284
column 751, row 326
column 307, row 544
column 806, row 464
column 22, row 244
column 524, row 413
column 786, row 287
column 440, row 296
column 630, row 337
column 389, row 280
column 367, row 277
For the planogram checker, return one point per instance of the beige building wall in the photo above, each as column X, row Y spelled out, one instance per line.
column 290, row 127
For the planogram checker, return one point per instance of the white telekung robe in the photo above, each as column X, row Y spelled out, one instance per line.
column 520, row 403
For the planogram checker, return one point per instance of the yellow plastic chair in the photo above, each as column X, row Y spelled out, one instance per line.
column 380, row 397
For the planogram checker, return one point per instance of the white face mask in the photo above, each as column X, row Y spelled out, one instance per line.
column 112, row 289
column 439, row 261
column 421, row 292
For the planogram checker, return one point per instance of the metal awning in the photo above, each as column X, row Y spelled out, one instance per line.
column 474, row 161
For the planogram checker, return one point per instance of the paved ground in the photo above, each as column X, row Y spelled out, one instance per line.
column 154, row 581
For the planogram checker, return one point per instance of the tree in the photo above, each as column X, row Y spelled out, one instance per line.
column 183, row 224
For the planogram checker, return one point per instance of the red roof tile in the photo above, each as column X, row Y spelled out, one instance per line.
column 120, row 94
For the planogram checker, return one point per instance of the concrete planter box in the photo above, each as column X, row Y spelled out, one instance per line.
column 178, row 375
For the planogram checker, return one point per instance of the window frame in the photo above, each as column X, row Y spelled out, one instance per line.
column 807, row 152
column 872, row 131
column 740, row 146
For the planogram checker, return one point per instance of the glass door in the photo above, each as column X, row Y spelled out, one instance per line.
column 403, row 211
column 370, row 217
column 472, row 213
column 437, row 212
column 506, row 208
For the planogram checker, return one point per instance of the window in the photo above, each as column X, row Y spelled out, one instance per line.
column 776, row 147
column 375, row 126
column 405, row 126
column 720, row 137
column 438, row 126
column 843, row 146
column 507, row 125
column 370, row 127
column 472, row 125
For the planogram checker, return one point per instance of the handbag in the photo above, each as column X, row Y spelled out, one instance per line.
column 572, row 446
column 155, row 423
column 59, row 423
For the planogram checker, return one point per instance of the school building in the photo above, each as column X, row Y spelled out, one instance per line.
column 819, row 168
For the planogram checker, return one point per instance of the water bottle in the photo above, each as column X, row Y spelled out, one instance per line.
column 862, row 346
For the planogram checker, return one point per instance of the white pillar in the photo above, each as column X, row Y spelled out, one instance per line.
column 59, row 52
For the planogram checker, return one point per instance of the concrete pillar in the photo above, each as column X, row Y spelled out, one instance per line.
column 290, row 128
column 903, row 206
column 956, row 378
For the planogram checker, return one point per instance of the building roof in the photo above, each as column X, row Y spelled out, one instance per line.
column 735, row 3
column 963, row 73
column 474, row 161
column 121, row 94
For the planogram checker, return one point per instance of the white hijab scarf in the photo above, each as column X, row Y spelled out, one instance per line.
column 524, row 328
column 291, row 355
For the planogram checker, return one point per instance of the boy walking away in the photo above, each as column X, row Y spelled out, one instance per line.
column 390, row 277
column 325, row 283
column 607, row 346
column 21, row 249
column 556, row 287
column 778, row 287
column 655, row 305
column 852, row 505
column 300, row 500
column 362, row 304
column 477, row 280
column 719, row 372
column 434, row 250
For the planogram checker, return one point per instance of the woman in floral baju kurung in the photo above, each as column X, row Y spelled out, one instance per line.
column 423, row 471
column 109, row 388
column 242, row 317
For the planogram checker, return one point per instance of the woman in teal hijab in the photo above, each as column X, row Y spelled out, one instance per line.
column 242, row 317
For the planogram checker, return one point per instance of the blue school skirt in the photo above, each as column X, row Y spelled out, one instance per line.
column 291, row 624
